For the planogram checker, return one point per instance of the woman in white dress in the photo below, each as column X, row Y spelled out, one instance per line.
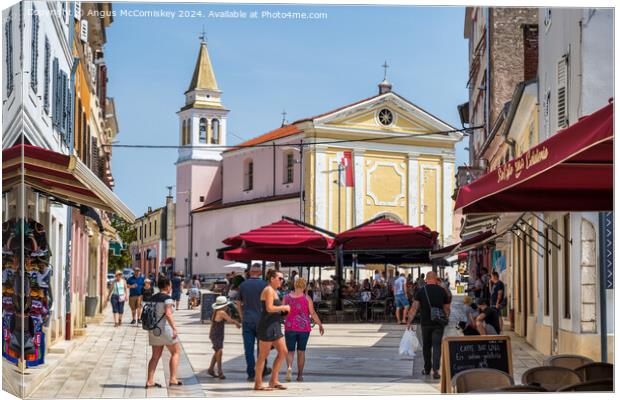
column 164, row 334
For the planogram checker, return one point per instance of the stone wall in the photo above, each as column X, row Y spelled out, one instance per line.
column 507, row 53
column 588, row 277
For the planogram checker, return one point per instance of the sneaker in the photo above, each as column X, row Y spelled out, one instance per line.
column 289, row 375
column 139, row 320
column 251, row 379
column 425, row 372
column 267, row 371
column 133, row 321
column 436, row 375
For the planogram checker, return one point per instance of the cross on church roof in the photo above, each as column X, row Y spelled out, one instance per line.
column 385, row 67
column 283, row 117
column 203, row 35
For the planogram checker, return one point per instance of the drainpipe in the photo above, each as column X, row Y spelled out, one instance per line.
column 69, row 225
column 487, row 94
column 274, row 167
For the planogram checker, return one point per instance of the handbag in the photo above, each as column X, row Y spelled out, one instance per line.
column 437, row 314
column 121, row 297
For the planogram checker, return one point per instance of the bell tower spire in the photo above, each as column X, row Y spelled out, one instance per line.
column 202, row 120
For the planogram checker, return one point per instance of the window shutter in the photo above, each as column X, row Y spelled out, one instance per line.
column 34, row 46
column 8, row 37
column 69, row 113
column 55, row 98
column 46, row 79
column 95, row 157
column 563, row 92
column 62, row 99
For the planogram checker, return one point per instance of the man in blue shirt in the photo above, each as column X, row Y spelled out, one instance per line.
column 135, row 283
column 249, row 307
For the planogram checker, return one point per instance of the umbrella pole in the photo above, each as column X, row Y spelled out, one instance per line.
column 264, row 268
column 339, row 267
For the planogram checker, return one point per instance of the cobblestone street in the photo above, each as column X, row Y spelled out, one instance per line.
column 351, row 358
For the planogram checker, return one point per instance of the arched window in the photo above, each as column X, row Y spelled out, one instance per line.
column 215, row 131
column 202, row 138
column 184, row 133
column 248, row 175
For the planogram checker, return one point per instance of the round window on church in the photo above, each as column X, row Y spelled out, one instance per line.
column 385, row 117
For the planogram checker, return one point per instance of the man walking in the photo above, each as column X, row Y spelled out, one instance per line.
column 400, row 298
column 249, row 308
column 135, row 283
column 498, row 299
column 431, row 295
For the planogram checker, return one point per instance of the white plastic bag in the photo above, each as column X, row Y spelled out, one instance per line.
column 408, row 344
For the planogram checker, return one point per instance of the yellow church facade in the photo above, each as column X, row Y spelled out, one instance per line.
column 402, row 160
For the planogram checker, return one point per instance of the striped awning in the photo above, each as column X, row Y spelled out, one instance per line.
column 62, row 176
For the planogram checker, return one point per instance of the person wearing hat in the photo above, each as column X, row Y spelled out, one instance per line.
column 216, row 334
column 135, row 283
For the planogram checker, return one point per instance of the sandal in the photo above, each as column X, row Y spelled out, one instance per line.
column 279, row 387
column 300, row 379
column 212, row 373
column 221, row 376
column 152, row 386
column 265, row 388
column 177, row 383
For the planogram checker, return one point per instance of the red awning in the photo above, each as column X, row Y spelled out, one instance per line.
column 281, row 233
column 443, row 252
column 296, row 256
column 570, row 171
column 383, row 233
column 463, row 256
column 62, row 176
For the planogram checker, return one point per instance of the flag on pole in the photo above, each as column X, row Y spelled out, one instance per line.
column 346, row 162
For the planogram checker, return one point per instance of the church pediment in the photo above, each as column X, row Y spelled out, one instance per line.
column 387, row 113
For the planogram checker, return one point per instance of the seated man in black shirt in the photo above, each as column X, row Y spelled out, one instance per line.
column 430, row 295
column 487, row 322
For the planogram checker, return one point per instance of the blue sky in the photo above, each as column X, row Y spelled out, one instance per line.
column 264, row 66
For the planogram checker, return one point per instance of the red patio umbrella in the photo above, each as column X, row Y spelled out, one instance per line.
column 282, row 233
column 384, row 233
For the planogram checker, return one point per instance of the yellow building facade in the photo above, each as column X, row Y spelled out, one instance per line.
column 401, row 165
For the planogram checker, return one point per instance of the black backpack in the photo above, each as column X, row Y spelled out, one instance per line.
column 149, row 318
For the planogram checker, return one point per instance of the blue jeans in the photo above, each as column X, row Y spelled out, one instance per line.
column 250, row 343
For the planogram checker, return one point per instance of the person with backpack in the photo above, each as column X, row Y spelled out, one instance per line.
column 158, row 320
column 433, row 303
column 216, row 334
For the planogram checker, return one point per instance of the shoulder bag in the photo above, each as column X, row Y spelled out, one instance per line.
column 437, row 314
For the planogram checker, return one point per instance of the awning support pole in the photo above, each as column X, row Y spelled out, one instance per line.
column 540, row 233
column 602, row 285
column 530, row 236
column 570, row 240
column 531, row 247
column 339, row 267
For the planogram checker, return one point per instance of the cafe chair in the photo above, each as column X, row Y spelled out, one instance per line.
column 378, row 307
column 595, row 371
column 571, row 361
column 550, row 377
column 324, row 309
column 514, row 388
column 350, row 308
column 480, row 379
column 602, row 385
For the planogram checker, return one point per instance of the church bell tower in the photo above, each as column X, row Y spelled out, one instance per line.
column 202, row 133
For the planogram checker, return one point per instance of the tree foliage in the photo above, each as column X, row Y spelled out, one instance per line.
column 127, row 234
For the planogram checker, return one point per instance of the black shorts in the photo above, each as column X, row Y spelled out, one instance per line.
column 176, row 296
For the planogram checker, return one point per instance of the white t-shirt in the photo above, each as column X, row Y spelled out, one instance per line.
column 399, row 285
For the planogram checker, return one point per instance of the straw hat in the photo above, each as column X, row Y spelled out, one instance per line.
column 220, row 302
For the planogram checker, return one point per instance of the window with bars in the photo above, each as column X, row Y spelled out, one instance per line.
column 562, row 105
column 46, row 77
column 34, row 46
column 248, row 178
column 8, row 40
column 289, row 167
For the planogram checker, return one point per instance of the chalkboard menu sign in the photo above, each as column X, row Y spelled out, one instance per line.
column 206, row 309
column 460, row 353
